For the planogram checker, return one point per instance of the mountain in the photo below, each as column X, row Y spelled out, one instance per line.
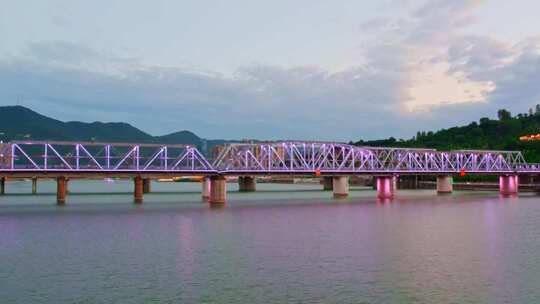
column 184, row 137
column 20, row 123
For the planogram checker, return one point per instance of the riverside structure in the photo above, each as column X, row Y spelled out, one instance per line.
column 334, row 162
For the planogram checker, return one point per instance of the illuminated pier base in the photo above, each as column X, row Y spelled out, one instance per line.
column 340, row 185
column 218, row 190
column 205, row 188
column 328, row 183
column 2, row 185
column 138, row 190
column 386, row 186
column 61, row 190
column 508, row 184
column 247, row 184
column 445, row 184
column 147, row 185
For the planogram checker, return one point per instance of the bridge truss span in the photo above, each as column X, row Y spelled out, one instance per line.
column 55, row 156
column 287, row 157
column 337, row 158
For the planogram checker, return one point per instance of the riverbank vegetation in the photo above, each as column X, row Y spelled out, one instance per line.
column 493, row 134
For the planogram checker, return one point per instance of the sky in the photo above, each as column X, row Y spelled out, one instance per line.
column 315, row 70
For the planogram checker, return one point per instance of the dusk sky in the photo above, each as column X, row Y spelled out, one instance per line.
column 318, row 70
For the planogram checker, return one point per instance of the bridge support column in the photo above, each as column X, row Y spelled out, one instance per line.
column 61, row 190
column 328, row 183
column 218, row 190
column 147, row 185
column 205, row 193
column 445, row 184
column 247, row 184
column 340, row 185
column 385, row 187
column 67, row 185
column 34, row 185
column 2, row 185
column 138, row 190
column 205, row 188
column 508, row 184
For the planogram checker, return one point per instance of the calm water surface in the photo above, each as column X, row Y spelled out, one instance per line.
column 273, row 246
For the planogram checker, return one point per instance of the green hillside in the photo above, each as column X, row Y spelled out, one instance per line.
column 496, row 134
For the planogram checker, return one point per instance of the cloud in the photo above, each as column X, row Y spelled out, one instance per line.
column 258, row 101
column 514, row 69
column 420, row 71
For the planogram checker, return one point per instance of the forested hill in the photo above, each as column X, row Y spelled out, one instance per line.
column 20, row 123
column 495, row 134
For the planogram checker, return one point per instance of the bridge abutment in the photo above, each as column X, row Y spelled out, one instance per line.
column 328, row 183
column 218, row 190
column 61, row 190
column 247, row 184
column 205, row 188
column 340, row 185
column 386, row 186
column 445, row 184
column 509, row 184
column 138, row 190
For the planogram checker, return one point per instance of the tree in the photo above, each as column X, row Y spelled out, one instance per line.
column 531, row 112
column 484, row 121
column 504, row 114
column 537, row 110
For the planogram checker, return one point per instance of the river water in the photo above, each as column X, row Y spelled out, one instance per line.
column 282, row 244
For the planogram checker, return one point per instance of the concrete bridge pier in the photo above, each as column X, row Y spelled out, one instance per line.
column 2, row 185
column 445, row 184
column 508, row 184
column 328, row 183
column 218, row 189
column 138, row 190
column 340, row 185
column 386, row 186
column 34, row 185
column 205, row 188
column 67, row 185
column 61, row 190
column 147, row 185
column 247, row 184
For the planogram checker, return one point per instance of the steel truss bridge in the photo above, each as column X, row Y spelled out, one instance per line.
column 290, row 157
